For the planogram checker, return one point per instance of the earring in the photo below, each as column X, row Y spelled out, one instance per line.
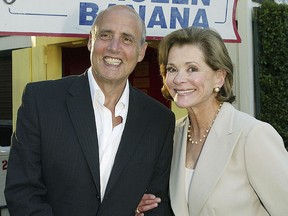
column 216, row 89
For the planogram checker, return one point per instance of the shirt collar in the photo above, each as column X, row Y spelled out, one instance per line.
column 98, row 95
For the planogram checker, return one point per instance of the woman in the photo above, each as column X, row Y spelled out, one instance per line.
column 225, row 162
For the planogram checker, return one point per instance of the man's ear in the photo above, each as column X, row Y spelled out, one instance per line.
column 142, row 51
column 89, row 44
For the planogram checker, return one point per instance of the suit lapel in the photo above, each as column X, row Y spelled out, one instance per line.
column 134, row 127
column 214, row 157
column 80, row 108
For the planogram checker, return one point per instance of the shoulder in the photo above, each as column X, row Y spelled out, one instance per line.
column 237, row 118
column 255, row 131
column 56, row 87
column 53, row 91
column 64, row 82
column 231, row 120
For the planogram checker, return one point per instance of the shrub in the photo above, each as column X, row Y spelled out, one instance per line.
column 272, row 24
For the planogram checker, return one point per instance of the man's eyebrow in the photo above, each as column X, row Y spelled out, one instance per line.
column 105, row 30
column 128, row 35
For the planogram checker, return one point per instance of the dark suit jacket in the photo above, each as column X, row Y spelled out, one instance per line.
column 53, row 166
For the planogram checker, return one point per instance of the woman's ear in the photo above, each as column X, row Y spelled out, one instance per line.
column 220, row 77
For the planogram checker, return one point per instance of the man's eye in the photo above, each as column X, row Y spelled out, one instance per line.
column 105, row 36
column 127, row 40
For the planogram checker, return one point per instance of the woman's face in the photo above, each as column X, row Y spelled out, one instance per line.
column 189, row 79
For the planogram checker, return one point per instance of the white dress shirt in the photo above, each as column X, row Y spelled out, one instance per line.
column 108, row 137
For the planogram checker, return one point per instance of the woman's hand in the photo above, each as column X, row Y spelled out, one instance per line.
column 148, row 202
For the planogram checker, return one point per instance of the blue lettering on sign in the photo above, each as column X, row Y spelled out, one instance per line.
column 201, row 19
column 160, row 1
column 157, row 12
column 142, row 10
column 180, row 1
column 205, row 2
column 175, row 15
column 88, row 12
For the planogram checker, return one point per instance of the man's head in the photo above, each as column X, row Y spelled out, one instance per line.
column 116, row 43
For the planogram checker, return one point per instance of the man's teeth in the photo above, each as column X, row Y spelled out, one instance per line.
column 112, row 61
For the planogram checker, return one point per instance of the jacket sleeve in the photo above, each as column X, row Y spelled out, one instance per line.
column 267, row 167
column 25, row 191
column 159, row 185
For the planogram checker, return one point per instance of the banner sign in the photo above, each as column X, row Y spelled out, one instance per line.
column 73, row 18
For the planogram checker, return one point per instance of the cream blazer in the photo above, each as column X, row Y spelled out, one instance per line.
column 242, row 170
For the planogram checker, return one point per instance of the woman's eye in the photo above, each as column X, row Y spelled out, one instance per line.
column 192, row 69
column 170, row 70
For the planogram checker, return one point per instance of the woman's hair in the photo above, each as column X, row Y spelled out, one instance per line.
column 214, row 51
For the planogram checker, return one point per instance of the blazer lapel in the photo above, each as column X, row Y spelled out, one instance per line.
column 177, row 176
column 134, row 127
column 80, row 108
column 214, row 157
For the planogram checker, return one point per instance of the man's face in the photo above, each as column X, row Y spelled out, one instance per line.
column 116, row 48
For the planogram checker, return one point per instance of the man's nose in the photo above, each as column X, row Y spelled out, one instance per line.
column 114, row 44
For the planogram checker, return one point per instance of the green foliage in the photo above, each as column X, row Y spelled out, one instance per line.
column 272, row 21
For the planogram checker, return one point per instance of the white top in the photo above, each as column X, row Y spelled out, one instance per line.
column 188, row 179
column 108, row 137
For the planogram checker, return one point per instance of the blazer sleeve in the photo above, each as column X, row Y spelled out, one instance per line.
column 159, row 185
column 25, row 191
column 267, row 167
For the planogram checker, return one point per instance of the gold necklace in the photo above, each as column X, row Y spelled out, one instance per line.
column 203, row 137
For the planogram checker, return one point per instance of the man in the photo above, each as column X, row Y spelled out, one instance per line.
column 92, row 144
